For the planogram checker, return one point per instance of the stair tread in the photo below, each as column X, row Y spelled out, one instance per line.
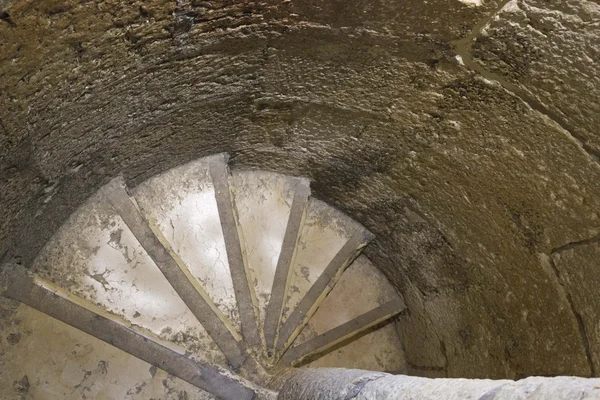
column 74, row 313
column 377, row 350
column 263, row 201
column 105, row 264
column 283, row 268
column 243, row 293
column 182, row 203
column 360, row 289
column 343, row 332
column 69, row 363
column 324, row 233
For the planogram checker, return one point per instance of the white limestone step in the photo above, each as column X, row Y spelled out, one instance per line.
column 329, row 241
column 379, row 349
column 48, row 359
column 95, row 256
column 182, row 203
column 361, row 289
column 324, row 233
column 263, row 200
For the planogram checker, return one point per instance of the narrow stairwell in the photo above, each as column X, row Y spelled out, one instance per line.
column 222, row 279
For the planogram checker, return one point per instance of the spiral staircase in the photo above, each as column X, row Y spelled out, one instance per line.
column 199, row 283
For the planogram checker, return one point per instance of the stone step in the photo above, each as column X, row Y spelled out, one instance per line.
column 329, row 242
column 372, row 345
column 361, row 299
column 181, row 202
column 95, row 256
column 271, row 208
column 45, row 358
column 341, row 333
column 177, row 273
column 247, row 304
column 202, row 375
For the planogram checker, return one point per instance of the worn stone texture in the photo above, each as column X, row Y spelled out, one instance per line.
column 324, row 233
column 361, row 289
column 325, row 383
column 76, row 366
column 263, row 202
column 551, row 50
column 577, row 270
column 96, row 257
column 183, row 204
column 535, row 388
column 377, row 350
column 462, row 183
column 344, row 384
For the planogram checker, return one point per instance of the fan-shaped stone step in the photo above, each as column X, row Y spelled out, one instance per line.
column 270, row 209
column 361, row 299
column 182, row 204
column 109, row 330
column 343, row 332
column 95, row 256
column 377, row 349
column 193, row 207
column 328, row 243
column 43, row 358
column 243, row 286
column 176, row 272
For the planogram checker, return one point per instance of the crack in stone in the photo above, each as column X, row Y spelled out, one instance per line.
column 571, row 245
column 584, row 337
column 580, row 324
column 463, row 48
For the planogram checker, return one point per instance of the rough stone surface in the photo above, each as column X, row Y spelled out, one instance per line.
column 344, row 384
column 462, row 182
column 263, row 202
column 536, row 388
column 173, row 199
column 76, row 366
column 578, row 273
column 326, row 383
column 96, row 257
column 361, row 289
column 378, row 350
column 550, row 49
column 324, row 233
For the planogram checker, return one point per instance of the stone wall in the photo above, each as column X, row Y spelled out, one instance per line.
column 478, row 174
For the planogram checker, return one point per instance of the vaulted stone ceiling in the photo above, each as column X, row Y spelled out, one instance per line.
column 462, row 134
